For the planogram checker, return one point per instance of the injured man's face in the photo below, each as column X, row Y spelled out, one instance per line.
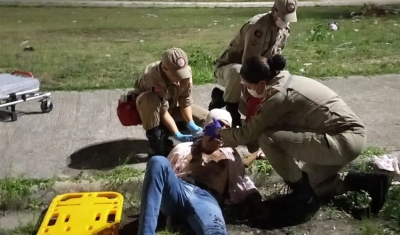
column 210, row 144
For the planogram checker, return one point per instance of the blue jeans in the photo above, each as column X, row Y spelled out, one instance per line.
column 163, row 190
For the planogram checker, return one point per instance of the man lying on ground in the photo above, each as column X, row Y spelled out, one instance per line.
column 193, row 181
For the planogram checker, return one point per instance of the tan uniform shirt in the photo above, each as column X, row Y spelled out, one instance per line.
column 305, row 106
column 171, row 94
column 258, row 36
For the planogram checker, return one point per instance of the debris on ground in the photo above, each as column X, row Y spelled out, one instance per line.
column 373, row 10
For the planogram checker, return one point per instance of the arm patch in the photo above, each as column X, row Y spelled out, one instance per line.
column 258, row 33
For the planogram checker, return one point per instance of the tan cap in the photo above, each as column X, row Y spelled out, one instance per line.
column 176, row 61
column 287, row 10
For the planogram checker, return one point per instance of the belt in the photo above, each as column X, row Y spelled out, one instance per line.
column 203, row 186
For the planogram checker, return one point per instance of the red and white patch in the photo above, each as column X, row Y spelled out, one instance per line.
column 290, row 7
column 181, row 62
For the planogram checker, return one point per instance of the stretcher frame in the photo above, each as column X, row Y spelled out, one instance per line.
column 11, row 100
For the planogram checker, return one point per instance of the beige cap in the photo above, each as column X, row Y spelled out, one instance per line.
column 176, row 61
column 287, row 10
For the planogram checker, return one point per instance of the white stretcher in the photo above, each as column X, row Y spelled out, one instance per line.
column 19, row 87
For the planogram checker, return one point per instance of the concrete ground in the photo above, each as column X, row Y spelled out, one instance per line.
column 83, row 131
column 166, row 4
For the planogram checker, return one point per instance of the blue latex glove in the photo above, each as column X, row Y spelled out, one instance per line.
column 183, row 138
column 212, row 128
column 193, row 127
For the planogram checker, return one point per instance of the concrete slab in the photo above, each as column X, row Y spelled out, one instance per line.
column 83, row 131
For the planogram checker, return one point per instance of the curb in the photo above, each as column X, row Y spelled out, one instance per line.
column 145, row 4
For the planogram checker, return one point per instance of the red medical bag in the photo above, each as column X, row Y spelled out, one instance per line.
column 127, row 112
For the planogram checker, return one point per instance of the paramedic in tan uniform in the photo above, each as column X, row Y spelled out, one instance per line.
column 300, row 118
column 164, row 97
column 264, row 34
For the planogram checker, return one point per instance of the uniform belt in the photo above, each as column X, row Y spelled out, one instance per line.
column 203, row 186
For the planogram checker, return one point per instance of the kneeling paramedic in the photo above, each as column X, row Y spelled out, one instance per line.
column 300, row 118
column 163, row 96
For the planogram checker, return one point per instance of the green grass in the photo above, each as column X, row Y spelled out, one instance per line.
column 94, row 48
column 208, row 0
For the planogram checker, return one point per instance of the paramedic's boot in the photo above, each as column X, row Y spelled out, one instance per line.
column 303, row 198
column 157, row 142
column 217, row 100
column 233, row 109
column 376, row 184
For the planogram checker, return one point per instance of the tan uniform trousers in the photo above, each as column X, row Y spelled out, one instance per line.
column 228, row 76
column 150, row 107
column 322, row 161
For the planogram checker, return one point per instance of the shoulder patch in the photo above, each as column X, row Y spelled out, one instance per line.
column 290, row 8
column 258, row 33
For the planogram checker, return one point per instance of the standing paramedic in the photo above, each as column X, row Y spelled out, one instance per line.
column 265, row 35
column 163, row 96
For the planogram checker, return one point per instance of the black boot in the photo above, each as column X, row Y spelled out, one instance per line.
column 376, row 184
column 157, row 143
column 168, row 143
column 233, row 109
column 217, row 99
column 297, row 205
column 303, row 196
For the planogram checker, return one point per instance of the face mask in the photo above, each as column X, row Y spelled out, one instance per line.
column 281, row 24
column 254, row 93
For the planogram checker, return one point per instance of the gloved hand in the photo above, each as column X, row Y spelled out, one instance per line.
column 212, row 129
column 193, row 127
column 183, row 138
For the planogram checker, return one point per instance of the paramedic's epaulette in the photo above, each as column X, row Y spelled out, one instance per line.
column 260, row 18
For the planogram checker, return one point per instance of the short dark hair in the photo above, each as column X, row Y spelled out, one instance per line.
column 259, row 68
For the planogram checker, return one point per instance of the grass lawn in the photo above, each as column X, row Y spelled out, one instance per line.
column 93, row 48
column 206, row 0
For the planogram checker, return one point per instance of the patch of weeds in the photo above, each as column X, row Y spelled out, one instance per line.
column 332, row 213
column 319, row 32
column 261, row 167
column 131, row 200
column 118, row 176
column 357, row 199
column 392, row 208
column 166, row 232
column 373, row 151
column 24, row 229
column 16, row 189
column 373, row 227
column 81, row 176
column 373, row 10
column 366, row 165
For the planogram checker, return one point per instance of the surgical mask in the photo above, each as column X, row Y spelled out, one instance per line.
column 254, row 93
column 281, row 24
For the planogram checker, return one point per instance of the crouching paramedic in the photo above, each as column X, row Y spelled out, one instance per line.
column 193, row 181
column 163, row 97
column 300, row 118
